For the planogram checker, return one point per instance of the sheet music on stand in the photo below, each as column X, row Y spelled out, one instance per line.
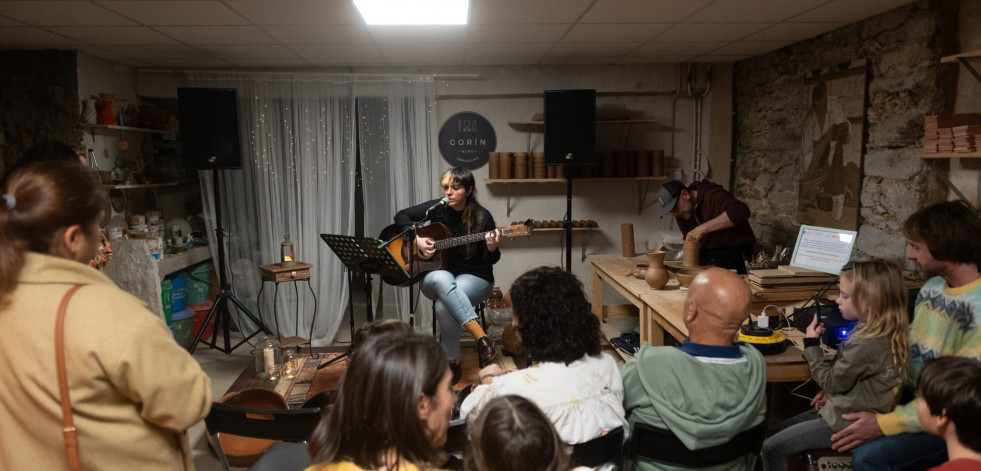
column 363, row 255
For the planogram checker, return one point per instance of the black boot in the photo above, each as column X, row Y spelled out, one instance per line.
column 486, row 351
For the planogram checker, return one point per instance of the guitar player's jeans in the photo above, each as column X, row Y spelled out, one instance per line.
column 454, row 299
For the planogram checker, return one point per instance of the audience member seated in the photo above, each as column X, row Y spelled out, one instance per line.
column 392, row 409
column 868, row 369
column 950, row 406
column 577, row 386
column 709, row 389
column 133, row 391
column 512, row 434
column 944, row 242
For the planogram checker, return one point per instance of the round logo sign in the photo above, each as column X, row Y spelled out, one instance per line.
column 465, row 140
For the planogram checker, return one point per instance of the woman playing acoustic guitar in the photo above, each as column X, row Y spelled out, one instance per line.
column 469, row 274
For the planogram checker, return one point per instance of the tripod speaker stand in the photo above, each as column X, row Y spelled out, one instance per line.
column 225, row 295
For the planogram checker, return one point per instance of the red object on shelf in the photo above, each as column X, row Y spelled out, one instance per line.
column 107, row 109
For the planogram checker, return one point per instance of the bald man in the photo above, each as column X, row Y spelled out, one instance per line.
column 709, row 389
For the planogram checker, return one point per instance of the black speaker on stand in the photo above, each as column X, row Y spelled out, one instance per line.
column 209, row 138
column 570, row 140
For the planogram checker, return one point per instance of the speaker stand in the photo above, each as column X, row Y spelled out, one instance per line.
column 567, row 224
column 220, row 306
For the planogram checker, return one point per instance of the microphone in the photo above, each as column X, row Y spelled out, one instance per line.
column 441, row 202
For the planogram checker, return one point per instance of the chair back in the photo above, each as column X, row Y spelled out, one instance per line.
column 600, row 450
column 294, row 425
column 662, row 446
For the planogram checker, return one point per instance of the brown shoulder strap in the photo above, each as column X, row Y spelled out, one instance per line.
column 68, row 424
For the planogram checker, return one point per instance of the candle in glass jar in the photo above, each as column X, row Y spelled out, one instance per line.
column 268, row 357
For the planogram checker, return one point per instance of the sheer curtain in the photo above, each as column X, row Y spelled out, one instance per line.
column 298, row 177
column 398, row 169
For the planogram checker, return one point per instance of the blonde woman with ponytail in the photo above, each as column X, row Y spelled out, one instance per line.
column 868, row 370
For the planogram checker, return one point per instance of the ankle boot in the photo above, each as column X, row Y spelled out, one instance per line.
column 486, row 351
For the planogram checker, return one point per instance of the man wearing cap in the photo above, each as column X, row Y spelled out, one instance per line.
column 707, row 213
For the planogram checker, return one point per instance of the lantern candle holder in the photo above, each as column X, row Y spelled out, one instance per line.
column 287, row 257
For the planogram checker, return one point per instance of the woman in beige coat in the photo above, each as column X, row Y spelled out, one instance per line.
column 133, row 390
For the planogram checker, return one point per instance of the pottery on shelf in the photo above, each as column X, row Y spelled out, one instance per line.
column 656, row 275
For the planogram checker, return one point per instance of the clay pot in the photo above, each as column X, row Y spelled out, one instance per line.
column 656, row 275
column 691, row 252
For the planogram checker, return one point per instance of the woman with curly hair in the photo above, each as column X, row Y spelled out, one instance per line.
column 577, row 386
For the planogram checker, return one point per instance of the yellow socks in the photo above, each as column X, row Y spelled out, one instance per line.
column 474, row 329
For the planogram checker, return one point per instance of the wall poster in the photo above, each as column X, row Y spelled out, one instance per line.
column 833, row 146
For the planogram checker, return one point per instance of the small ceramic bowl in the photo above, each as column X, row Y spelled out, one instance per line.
column 685, row 275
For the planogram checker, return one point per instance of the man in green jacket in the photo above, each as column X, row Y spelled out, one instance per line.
column 709, row 389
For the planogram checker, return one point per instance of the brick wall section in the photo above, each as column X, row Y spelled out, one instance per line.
column 38, row 100
column 903, row 48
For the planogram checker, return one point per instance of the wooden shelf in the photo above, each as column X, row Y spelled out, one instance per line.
column 643, row 185
column 539, row 126
column 138, row 185
column 957, row 57
column 179, row 261
column 491, row 181
column 951, row 155
column 113, row 127
column 559, row 229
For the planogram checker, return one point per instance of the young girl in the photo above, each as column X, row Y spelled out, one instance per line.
column 512, row 434
column 867, row 372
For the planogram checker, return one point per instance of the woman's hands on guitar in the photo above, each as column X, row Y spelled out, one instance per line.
column 493, row 239
column 427, row 246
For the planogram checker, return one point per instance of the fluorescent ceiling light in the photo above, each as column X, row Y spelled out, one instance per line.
column 413, row 12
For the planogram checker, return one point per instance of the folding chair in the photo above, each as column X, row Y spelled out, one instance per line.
column 662, row 446
column 271, row 424
column 600, row 450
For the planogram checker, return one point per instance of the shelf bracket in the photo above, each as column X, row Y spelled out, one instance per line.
column 970, row 68
column 642, row 188
column 507, row 193
column 942, row 175
column 585, row 243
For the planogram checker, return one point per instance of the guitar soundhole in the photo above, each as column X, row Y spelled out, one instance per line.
column 405, row 252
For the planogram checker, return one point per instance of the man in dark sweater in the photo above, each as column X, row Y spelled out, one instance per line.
column 707, row 213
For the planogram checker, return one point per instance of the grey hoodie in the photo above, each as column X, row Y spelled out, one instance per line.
column 704, row 401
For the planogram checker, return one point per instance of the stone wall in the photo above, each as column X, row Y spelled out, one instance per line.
column 38, row 100
column 905, row 82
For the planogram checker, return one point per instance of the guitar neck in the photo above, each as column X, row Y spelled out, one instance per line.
column 461, row 240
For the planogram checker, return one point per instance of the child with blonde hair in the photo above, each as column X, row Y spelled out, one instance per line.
column 868, row 370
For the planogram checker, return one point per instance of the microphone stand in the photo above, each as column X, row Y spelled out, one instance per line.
column 409, row 237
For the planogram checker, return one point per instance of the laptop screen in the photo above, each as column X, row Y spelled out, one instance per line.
column 822, row 248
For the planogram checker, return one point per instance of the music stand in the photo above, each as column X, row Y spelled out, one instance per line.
column 363, row 255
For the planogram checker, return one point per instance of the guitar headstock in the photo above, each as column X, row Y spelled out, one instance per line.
column 521, row 229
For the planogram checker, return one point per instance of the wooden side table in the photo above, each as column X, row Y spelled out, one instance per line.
column 279, row 274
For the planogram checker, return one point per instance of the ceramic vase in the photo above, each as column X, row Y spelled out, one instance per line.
column 656, row 275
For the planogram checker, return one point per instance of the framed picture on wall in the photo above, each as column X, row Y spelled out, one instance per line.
column 833, row 146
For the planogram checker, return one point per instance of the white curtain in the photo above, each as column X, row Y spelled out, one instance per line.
column 297, row 135
column 398, row 170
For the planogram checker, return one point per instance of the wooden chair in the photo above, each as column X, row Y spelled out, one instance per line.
column 662, row 446
column 600, row 450
column 287, row 425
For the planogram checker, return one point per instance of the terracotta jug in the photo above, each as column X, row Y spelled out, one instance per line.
column 656, row 275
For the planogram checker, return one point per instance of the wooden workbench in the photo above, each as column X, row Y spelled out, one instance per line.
column 660, row 312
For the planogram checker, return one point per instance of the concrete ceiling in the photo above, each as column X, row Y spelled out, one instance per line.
column 327, row 33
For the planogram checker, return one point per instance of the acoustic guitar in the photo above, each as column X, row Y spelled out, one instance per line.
column 441, row 235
